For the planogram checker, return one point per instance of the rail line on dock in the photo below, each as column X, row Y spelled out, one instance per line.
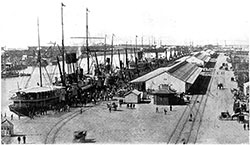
column 209, row 92
column 51, row 135
column 177, row 130
column 185, row 132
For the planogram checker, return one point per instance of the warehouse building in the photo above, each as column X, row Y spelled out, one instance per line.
column 179, row 76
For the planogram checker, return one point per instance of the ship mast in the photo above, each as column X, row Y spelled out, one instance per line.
column 126, row 52
column 105, row 50
column 112, row 49
column 63, row 51
column 87, row 47
column 39, row 54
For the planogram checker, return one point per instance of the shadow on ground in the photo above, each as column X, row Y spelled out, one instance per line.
column 200, row 85
column 84, row 141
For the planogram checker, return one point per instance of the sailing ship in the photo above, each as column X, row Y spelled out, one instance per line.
column 28, row 101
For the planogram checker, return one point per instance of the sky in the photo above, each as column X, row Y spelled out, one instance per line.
column 166, row 21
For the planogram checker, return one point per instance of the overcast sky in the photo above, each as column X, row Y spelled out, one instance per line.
column 171, row 21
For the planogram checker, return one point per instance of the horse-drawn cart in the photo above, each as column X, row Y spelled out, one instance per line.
column 80, row 135
column 225, row 116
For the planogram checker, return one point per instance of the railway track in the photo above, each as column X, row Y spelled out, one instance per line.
column 175, row 135
column 51, row 135
column 186, row 131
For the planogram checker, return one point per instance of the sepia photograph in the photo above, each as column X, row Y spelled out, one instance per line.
column 124, row 71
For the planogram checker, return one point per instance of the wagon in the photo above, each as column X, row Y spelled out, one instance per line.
column 225, row 116
column 80, row 134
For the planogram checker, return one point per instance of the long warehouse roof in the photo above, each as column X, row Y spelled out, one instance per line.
column 184, row 71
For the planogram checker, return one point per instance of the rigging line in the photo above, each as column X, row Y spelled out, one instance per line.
column 45, row 78
column 21, row 78
column 53, row 74
column 48, row 75
column 26, row 85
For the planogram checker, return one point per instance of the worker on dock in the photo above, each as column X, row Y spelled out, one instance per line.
column 157, row 110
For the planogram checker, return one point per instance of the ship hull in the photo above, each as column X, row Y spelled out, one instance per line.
column 20, row 111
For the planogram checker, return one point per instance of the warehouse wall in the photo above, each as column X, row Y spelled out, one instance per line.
column 166, row 78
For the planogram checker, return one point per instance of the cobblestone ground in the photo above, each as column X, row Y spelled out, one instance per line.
column 35, row 129
column 139, row 125
column 212, row 129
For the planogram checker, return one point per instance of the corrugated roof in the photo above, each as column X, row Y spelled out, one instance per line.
column 193, row 59
column 183, row 58
column 185, row 71
column 202, row 57
column 136, row 92
column 195, row 74
column 150, row 75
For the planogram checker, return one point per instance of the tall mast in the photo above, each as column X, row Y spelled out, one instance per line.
column 119, row 59
column 126, row 51
column 39, row 54
column 135, row 47
column 63, row 51
column 142, row 41
column 97, row 65
column 105, row 49
column 4, row 58
column 87, row 43
column 166, row 54
column 112, row 49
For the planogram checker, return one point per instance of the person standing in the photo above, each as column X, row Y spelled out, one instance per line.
column 18, row 139
column 110, row 109
column 244, row 126
column 81, row 111
column 191, row 117
column 157, row 110
column 170, row 107
column 24, row 139
column 11, row 116
column 165, row 111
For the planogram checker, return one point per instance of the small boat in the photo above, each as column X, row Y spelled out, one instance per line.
column 31, row 100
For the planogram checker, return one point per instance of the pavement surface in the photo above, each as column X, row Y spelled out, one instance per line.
column 213, row 130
